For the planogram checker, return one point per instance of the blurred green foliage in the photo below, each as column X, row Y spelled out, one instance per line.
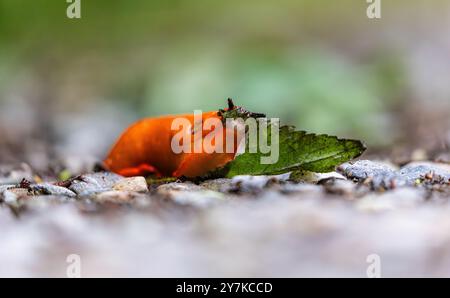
column 291, row 59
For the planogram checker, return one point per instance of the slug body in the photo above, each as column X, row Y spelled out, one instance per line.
column 145, row 148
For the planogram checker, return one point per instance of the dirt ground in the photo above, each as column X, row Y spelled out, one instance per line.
column 320, row 225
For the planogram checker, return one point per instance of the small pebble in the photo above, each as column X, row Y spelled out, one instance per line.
column 134, row 184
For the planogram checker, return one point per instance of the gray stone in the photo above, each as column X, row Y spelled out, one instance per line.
column 379, row 174
column 94, row 183
column 50, row 189
column 419, row 170
column 382, row 176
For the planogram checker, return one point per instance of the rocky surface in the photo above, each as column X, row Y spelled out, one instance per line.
column 317, row 225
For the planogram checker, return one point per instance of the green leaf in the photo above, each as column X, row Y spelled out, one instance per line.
column 298, row 150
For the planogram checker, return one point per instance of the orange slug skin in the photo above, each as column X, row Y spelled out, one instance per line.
column 145, row 148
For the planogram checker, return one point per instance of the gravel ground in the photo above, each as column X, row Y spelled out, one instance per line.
column 319, row 225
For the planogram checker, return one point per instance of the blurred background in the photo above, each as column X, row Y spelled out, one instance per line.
column 68, row 87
